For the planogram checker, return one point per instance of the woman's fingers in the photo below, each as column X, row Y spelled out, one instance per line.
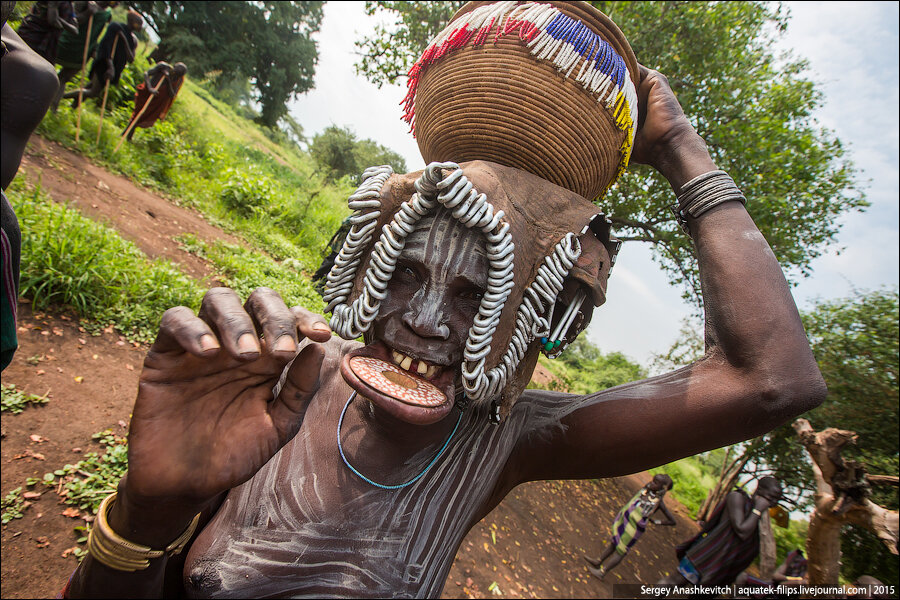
column 223, row 311
column 274, row 321
column 241, row 329
column 311, row 325
column 181, row 329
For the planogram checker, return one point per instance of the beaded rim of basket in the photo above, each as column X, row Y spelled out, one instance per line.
column 506, row 93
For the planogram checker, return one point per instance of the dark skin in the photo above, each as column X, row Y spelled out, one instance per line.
column 84, row 11
column 202, row 424
column 55, row 21
column 97, row 82
column 610, row 557
column 29, row 84
column 780, row 577
column 163, row 74
column 744, row 523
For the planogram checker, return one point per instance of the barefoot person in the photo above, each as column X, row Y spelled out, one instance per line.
column 70, row 53
column 729, row 541
column 269, row 458
column 114, row 51
column 631, row 522
column 154, row 97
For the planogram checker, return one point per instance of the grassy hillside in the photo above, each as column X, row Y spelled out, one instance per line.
column 248, row 180
column 208, row 156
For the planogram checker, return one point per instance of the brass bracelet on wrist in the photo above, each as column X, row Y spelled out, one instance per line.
column 114, row 551
column 756, row 512
column 703, row 193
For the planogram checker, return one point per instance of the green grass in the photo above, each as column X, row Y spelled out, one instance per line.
column 209, row 157
column 15, row 401
column 86, row 483
column 243, row 271
column 71, row 261
column 692, row 478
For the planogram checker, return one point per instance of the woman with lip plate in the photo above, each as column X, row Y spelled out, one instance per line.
column 270, row 458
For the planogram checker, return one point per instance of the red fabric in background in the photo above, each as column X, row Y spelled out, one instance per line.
column 159, row 105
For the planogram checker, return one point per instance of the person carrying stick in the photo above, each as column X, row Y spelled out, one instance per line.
column 115, row 50
column 74, row 48
column 155, row 96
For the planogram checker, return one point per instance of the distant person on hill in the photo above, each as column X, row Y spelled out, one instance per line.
column 729, row 541
column 631, row 522
column 41, row 28
column 114, row 51
column 154, row 97
column 29, row 84
column 71, row 45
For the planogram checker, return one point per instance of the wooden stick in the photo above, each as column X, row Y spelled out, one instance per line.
column 135, row 120
column 112, row 57
column 87, row 44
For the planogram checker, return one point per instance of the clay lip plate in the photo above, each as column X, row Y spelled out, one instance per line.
column 405, row 395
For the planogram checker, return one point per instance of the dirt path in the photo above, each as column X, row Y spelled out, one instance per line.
column 143, row 217
column 530, row 546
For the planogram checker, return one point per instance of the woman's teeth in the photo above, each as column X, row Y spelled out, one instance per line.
column 421, row 367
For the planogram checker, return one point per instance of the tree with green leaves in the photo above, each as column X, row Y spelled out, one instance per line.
column 268, row 43
column 584, row 369
column 337, row 151
column 387, row 55
column 855, row 342
column 754, row 110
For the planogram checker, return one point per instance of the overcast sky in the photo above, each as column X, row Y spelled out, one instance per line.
column 853, row 54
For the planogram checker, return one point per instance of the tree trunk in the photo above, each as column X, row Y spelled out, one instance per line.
column 841, row 497
column 823, row 548
column 767, row 548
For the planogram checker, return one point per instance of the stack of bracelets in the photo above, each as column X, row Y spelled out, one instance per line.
column 704, row 192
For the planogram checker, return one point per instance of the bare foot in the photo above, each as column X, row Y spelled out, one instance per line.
column 591, row 561
column 598, row 573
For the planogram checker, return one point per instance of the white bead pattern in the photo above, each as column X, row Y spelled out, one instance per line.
column 457, row 194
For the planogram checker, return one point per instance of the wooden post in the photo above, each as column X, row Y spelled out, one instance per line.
column 112, row 57
column 87, row 45
column 135, row 120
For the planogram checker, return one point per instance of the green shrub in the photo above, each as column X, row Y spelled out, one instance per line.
column 71, row 261
column 248, row 193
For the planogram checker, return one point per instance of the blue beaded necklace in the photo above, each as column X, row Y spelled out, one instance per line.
column 379, row 485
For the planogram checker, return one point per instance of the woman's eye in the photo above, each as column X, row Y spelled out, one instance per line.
column 473, row 295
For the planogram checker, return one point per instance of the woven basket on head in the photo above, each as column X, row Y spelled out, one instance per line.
column 490, row 98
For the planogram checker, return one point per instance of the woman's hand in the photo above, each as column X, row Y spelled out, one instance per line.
column 665, row 139
column 205, row 419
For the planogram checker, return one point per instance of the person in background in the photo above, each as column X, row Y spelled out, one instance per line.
column 112, row 56
column 154, row 97
column 29, row 84
column 729, row 540
column 42, row 27
column 70, row 54
column 631, row 522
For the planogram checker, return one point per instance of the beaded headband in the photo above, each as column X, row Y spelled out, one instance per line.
column 579, row 53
